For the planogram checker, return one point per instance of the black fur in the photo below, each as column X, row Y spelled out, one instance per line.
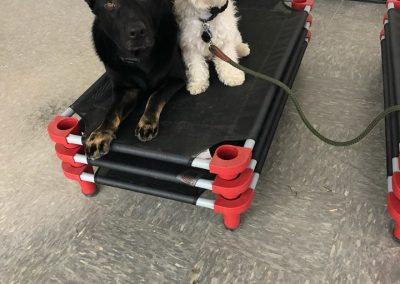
column 137, row 42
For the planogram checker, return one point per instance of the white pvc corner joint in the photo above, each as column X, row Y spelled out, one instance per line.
column 307, row 9
column 390, row 184
column 87, row 177
column 68, row 112
column 74, row 139
column 204, row 183
column 206, row 203
column 254, row 182
column 395, row 165
column 253, row 164
column 201, row 163
column 249, row 144
column 82, row 159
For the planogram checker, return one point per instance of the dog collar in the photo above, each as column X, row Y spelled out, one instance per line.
column 206, row 35
column 215, row 11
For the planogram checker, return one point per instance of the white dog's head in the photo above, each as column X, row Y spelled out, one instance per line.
column 207, row 4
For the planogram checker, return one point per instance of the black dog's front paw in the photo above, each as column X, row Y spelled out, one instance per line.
column 98, row 143
column 146, row 130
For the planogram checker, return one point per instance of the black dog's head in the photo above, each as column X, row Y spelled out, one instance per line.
column 130, row 24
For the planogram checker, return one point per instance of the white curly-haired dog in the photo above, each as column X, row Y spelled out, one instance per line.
column 201, row 21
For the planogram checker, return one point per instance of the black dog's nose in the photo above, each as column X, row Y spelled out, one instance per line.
column 137, row 31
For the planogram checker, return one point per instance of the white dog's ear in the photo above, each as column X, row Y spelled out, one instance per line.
column 90, row 3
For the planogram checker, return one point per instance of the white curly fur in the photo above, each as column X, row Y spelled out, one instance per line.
column 226, row 36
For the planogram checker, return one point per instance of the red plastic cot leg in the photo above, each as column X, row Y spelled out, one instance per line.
column 74, row 173
column 393, row 207
column 232, row 208
column 59, row 129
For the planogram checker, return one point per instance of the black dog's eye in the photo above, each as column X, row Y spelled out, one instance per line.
column 110, row 5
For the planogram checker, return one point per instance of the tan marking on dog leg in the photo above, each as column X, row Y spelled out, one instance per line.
column 147, row 128
column 98, row 143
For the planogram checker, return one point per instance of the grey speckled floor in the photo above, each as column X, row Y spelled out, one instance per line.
column 319, row 214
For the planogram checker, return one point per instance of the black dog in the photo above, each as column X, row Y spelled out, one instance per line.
column 137, row 42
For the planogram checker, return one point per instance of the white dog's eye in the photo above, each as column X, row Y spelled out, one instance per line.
column 110, row 5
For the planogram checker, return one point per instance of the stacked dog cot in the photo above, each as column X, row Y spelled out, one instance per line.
column 390, row 45
column 214, row 144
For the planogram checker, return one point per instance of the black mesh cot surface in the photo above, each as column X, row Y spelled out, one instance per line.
column 190, row 125
column 390, row 47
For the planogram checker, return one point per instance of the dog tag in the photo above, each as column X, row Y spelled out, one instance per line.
column 206, row 35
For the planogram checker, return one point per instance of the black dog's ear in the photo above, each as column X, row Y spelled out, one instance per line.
column 90, row 3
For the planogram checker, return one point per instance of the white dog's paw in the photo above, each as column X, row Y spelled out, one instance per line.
column 231, row 76
column 197, row 87
column 243, row 49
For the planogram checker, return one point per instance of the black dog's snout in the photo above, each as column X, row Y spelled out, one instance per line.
column 137, row 31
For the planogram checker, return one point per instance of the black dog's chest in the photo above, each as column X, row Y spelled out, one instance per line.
column 132, row 78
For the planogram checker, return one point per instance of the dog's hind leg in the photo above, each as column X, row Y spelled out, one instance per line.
column 147, row 128
column 99, row 141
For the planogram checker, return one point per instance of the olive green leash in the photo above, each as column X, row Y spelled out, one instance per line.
column 217, row 52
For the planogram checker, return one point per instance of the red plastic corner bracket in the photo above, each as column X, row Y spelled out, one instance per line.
column 60, row 127
column 302, row 4
column 229, row 161
column 231, row 189
column 396, row 3
column 74, row 173
column 231, row 209
column 67, row 154
column 396, row 184
column 393, row 207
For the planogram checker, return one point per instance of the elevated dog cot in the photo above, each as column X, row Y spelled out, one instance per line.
column 216, row 142
column 390, row 46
